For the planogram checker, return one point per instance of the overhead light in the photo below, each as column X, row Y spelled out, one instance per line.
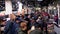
column 54, row 8
column 53, row 2
column 18, row 2
column 59, row 25
column 20, row 7
column 39, row 0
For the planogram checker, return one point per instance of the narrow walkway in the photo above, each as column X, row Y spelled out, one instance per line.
column 57, row 30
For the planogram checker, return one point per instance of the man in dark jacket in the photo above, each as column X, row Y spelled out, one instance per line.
column 8, row 27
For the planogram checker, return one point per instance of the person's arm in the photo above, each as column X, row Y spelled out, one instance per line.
column 29, row 31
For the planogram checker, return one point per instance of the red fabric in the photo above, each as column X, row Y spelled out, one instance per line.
column 56, row 17
column 45, row 14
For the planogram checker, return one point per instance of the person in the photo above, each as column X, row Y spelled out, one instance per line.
column 9, row 28
column 28, row 17
column 39, row 21
column 22, row 28
column 50, row 28
column 33, row 23
column 56, row 19
column 35, row 30
column 16, row 25
column 3, row 23
column 17, row 21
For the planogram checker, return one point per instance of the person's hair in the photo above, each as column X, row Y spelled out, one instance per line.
column 23, row 25
column 12, row 16
column 23, row 22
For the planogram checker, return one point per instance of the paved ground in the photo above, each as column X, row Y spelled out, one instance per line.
column 57, row 29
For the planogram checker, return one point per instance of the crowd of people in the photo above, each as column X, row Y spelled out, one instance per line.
column 34, row 23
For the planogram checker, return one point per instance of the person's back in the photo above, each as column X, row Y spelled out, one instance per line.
column 36, row 31
column 8, row 27
column 52, row 32
column 20, row 31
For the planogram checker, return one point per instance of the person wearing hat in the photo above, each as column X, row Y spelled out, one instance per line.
column 17, row 21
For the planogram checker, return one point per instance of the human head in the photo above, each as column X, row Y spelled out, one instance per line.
column 12, row 17
column 18, row 20
column 23, row 25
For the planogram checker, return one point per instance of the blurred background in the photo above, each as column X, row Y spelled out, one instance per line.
column 52, row 7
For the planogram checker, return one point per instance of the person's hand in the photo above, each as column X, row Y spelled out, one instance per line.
column 33, row 28
column 29, row 31
column 2, row 28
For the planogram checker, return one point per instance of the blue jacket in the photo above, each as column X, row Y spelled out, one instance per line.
column 10, row 27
